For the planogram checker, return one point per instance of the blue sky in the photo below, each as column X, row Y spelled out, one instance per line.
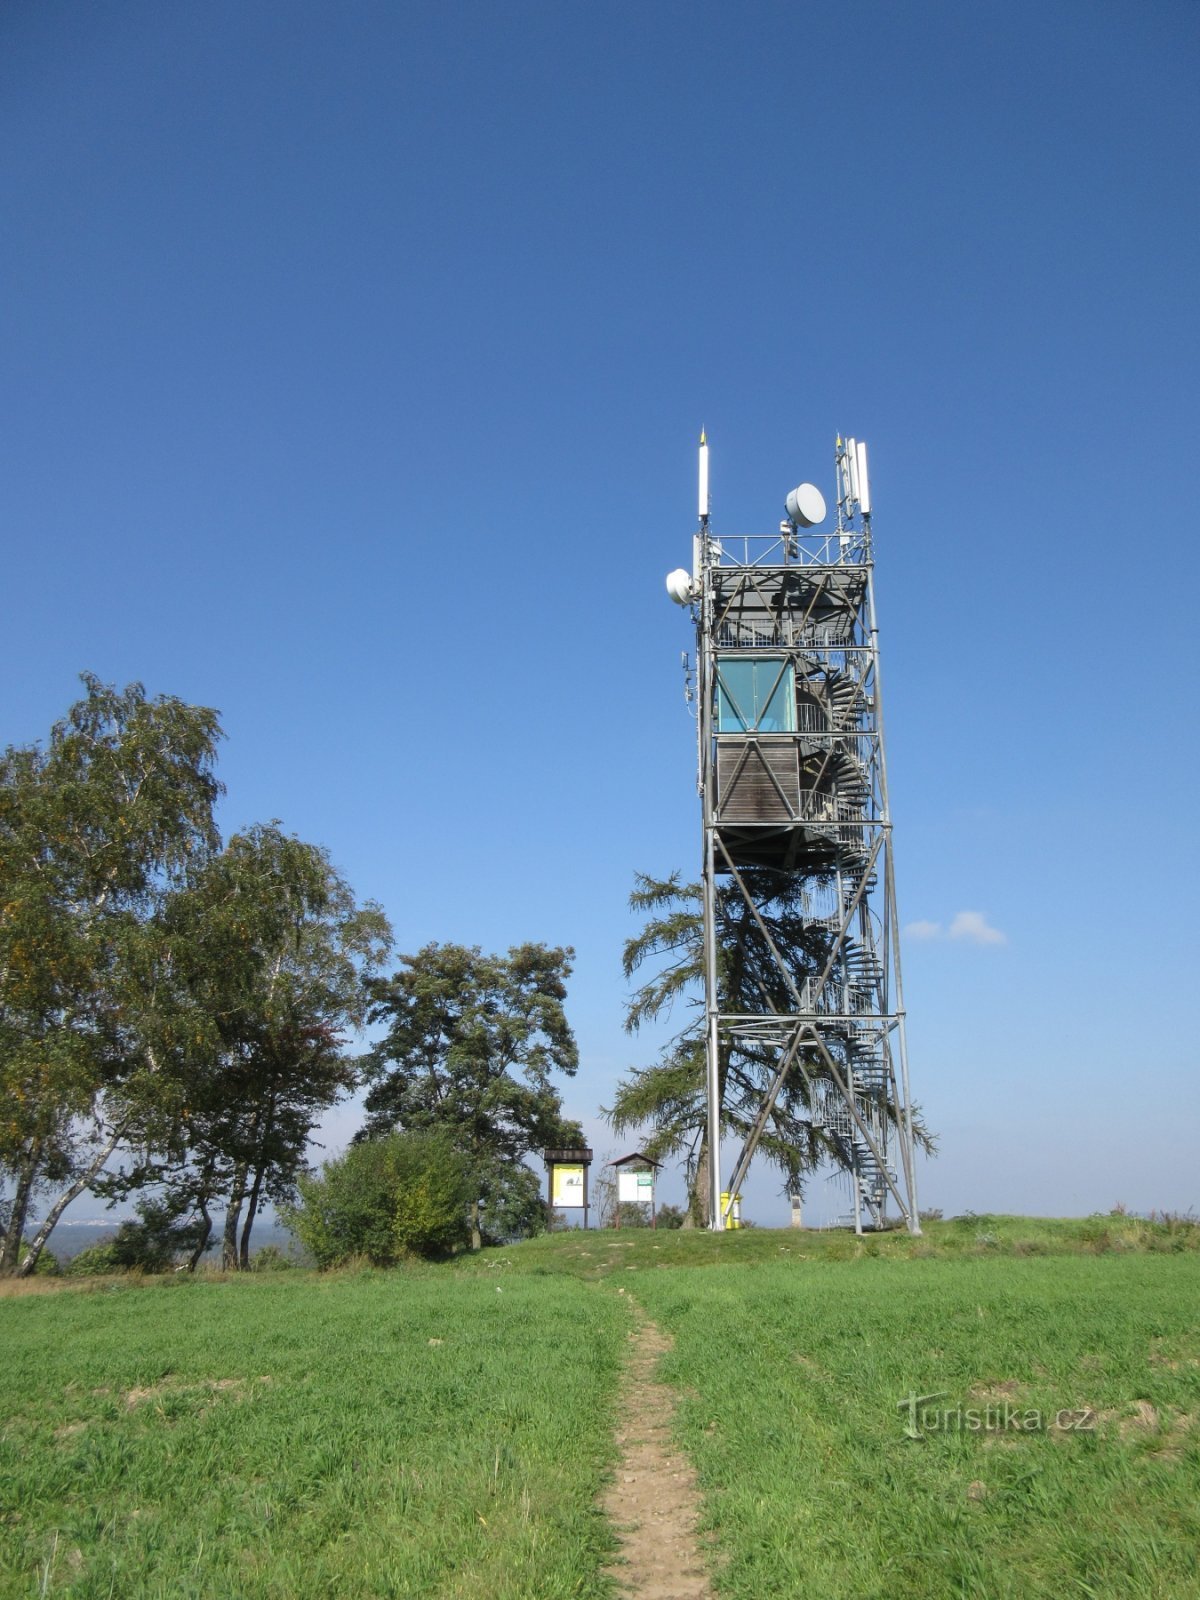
column 354, row 360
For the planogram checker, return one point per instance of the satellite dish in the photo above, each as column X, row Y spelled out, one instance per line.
column 679, row 586
column 805, row 506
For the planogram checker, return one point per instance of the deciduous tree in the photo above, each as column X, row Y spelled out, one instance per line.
column 96, row 830
column 472, row 1045
column 268, row 954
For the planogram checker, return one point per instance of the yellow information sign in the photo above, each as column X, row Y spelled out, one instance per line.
column 567, row 1189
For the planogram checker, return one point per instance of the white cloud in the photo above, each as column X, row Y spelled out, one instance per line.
column 969, row 927
column 974, row 928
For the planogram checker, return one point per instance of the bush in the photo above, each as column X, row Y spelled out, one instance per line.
column 382, row 1200
column 98, row 1260
column 153, row 1241
column 272, row 1259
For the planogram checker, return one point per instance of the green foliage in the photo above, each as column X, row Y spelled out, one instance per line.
column 472, row 1044
column 97, row 1261
column 160, row 996
column 671, row 1217
column 153, row 1241
column 432, row 1191
column 270, row 1258
column 384, row 1199
column 159, row 1236
column 513, row 1204
column 96, row 828
column 669, row 1095
column 270, row 951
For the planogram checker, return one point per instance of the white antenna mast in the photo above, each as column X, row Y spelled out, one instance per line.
column 864, row 486
column 703, row 505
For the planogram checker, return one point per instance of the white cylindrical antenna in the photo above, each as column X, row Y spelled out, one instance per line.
column 852, row 464
column 805, row 506
column 864, row 483
column 703, row 495
column 679, row 586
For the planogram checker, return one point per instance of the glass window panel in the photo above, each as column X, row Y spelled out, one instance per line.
column 774, row 697
column 735, row 696
column 756, row 695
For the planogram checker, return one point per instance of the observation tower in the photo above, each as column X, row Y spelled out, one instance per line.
column 794, row 813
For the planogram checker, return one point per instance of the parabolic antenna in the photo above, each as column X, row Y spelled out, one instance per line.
column 805, row 506
column 679, row 586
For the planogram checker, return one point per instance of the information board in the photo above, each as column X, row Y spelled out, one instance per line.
column 568, row 1185
column 637, row 1187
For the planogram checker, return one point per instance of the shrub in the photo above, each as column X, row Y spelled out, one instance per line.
column 96, row 1261
column 383, row 1199
column 153, row 1241
column 272, row 1259
column 429, row 1207
column 632, row 1214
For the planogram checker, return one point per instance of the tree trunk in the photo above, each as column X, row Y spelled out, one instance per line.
column 37, row 1243
column 698, row 1199
column 476, row 1236
column 229, row 1244
column 262, row 1139
column 194, row 1258
column 11, row 1254
column 251, row 1209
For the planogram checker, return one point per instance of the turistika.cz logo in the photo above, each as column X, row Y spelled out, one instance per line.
column 924, row 1417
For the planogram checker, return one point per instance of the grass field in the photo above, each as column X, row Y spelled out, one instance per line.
column 383, row 1434
column 444, row 1431
column 1080, row 1476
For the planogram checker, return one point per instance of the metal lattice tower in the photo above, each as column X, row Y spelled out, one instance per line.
column 793, row 782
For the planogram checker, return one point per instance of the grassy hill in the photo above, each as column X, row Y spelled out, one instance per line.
column 445, row 1431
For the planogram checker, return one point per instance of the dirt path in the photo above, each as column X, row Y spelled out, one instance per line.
column 653, row 1502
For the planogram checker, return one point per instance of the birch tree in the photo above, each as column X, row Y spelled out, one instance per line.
column 269, row 953
column 96, row 830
